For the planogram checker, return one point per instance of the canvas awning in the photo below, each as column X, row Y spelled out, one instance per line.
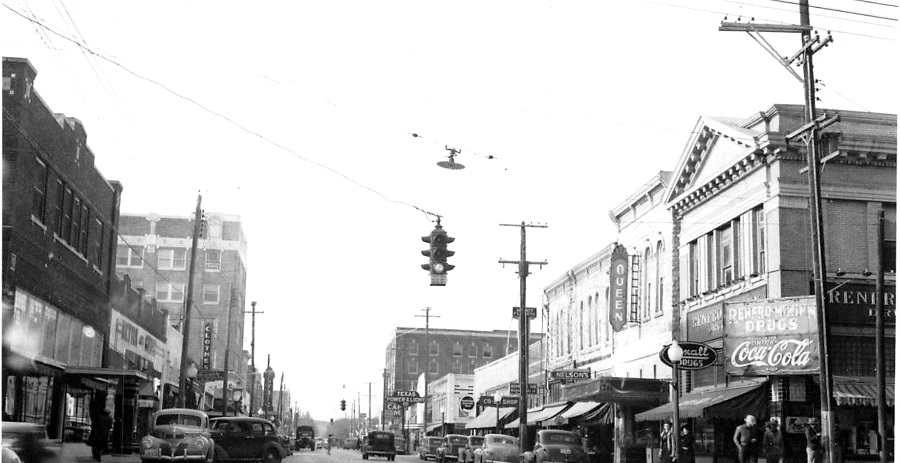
column 515, row 423
column 105, row 372
column 540, row 414
column 733, row 402
column 488, row 418
column 603, row 414
column 580, row 408
column 433, row 427
column 618, row 390
column 863, row 392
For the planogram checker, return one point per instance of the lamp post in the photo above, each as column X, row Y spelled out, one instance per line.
column 675, row 354
column 443, row 431
column 237, row 397
column 191, row 373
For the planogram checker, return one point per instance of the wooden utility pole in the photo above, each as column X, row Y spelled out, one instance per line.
column 879, row 338
column 524, row 321
column 186, row 313
column 810, row 133
column 281, row 401
column 252, row 381
column 231, row 292
column 428, row 318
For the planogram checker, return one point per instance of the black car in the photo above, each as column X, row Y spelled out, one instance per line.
column 379, row 443
column 450, row 446
column 240, row 438
column 305, row 438
column 557, row 446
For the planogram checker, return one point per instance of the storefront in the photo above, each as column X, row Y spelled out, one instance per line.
column 487, row 421
column 626, row 397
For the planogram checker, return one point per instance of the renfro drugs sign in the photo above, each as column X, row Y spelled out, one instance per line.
column 771, row 336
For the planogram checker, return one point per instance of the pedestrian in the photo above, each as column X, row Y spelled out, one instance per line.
column 872, row 438
column 328, row 444
column 685, row 445
column 100, row 428
column 813, row 443
column 667, row 444
column 746, row 438
column 773, row 442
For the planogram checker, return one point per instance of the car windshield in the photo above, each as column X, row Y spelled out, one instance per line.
column 457, row 440
column 501, row 440
column 561, row 438
column 184, row 420
column 379, row 437
column 434, row 441
column 476, row 440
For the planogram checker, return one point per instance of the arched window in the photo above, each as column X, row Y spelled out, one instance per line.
column 600, row 317
column 413, row 348
column 433, row 349
column 606, row 325
column 581, row 325
column 647, row 285
column 659, row 277
column 457, row 349
column 473, row 350
column 592, row 320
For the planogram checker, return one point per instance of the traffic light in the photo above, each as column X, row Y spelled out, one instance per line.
column 343, row 405
column 438, row 253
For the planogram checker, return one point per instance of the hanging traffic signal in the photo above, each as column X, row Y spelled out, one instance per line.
column 343, row 405
column 438, row 253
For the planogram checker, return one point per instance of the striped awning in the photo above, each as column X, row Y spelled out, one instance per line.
column 861, row 393
column 541, row 414
column 488, row 418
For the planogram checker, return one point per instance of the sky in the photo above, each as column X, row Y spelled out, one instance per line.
column 300, row 117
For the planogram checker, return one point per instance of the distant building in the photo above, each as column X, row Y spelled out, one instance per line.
column 59, row 221
column 154, row 251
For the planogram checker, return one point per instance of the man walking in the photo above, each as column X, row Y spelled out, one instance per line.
column 774, row 442
column 100, row 427
column 813, row 443
column 746, row 438
column 328, row 444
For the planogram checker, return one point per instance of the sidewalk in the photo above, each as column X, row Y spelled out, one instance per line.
column 79, row 452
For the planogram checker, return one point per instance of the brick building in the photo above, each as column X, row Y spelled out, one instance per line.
column 154, row 251
column 59, row 217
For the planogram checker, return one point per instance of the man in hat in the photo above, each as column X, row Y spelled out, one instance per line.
column 100, row 427
column 773, row 442
column 746, row 439
column 813, row 442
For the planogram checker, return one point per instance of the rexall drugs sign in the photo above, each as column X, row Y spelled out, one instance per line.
column 771, row 336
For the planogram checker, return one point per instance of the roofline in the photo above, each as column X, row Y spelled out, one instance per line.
column 662, row 177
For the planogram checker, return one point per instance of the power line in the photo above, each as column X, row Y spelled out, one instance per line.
column 219, row 115
column 837, row 18
column 838, row 10
column 877, row 3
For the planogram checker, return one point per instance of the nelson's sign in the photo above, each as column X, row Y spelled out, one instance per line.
column 771, row 336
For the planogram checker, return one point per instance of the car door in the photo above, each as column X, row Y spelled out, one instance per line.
column 256, row 439
column 220, row 431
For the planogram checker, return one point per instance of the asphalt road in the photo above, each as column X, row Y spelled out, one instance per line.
column 340, row 456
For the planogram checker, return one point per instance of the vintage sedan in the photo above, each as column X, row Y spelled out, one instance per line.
column 467, row 452
column 498, row 448
column 28, row 441
column 428, row 447
column 449, row 449
column 556, row 446
column 178, row 434
column 244, row 438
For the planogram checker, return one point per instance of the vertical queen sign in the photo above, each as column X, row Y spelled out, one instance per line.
column 771, row 336
column 618, row 287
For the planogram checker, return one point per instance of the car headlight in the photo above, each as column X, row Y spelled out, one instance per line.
column 146, row 442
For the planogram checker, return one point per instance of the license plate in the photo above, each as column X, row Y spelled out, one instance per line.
column 151, row 453
column 565, row 451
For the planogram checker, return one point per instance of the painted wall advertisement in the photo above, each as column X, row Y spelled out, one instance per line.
column 771, row 336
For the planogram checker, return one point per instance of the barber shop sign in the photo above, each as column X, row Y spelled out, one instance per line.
column 771, row 336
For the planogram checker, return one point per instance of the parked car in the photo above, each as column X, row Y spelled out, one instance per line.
column 450, row 445
column 428, row 448
column 467, row 453
column 350, row 443
column 244, row 438
column 28, row 442
column 379, row 443
column 400, row 445
column 553, row 445
column 76, row 429
column 306, row 438
column 320, row 443
column 178, row 434
column 287, row 444
column 498, row 448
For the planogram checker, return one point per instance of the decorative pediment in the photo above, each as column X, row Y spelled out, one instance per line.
column 718, row 152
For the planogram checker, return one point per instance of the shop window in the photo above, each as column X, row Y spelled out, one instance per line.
column 39, row 191
column 457, row 350
column 796, row 388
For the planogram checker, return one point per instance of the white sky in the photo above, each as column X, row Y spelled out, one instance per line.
column 581, row 102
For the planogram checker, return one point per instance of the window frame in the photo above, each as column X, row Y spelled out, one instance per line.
column 457, row 352
column 694, row 268
column 218, row 294
column 170, row 263
column 39, row 191
column 214, row 267
column 169, row 291
column 488, row 351
column 130, row 256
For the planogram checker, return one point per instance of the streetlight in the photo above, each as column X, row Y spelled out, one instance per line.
column 191, row 373
column 237, row 396
column 443, row 430
column 675, row 354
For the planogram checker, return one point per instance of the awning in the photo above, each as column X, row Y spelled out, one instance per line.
column 433, row 427
column 488, row 418
column 514, row 424
column 734, row 402
column 861, row 392
column 105, row 372
column 619, row 390
column 603, row 414
column 18, row 363
column 540, row 414
column 580, row 408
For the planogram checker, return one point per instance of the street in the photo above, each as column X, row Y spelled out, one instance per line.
column 338, row 456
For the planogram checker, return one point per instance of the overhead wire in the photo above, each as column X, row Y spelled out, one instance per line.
column 838, row 18
column 224, row 117
column 839, row 10
column 877, row 3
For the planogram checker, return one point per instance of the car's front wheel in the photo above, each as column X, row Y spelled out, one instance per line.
column 272, row 456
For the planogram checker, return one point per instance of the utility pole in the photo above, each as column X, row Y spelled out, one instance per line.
column 281, row 401
column 810, row 133
column 385, row 377
column 231, row 298
column 524, row 321
column 252, row 381
column 369, row 415
column 186, row 314
column 879, row 338
column 428, row 318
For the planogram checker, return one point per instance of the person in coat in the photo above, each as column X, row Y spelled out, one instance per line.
column 813, row 443
column 746, row 439
column 100, row 428
column 667, row 445
column 685, row 445
column 773, row 442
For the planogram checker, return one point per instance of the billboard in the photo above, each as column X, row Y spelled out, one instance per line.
column 771, row 337
column 618, row 287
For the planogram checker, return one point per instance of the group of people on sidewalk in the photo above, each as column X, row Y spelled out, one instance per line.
column 750, row 442
column 676, row 448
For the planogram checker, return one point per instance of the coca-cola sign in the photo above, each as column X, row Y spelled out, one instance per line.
column 771, row 336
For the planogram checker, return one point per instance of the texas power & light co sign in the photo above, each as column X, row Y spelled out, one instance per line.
column 771, row 336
